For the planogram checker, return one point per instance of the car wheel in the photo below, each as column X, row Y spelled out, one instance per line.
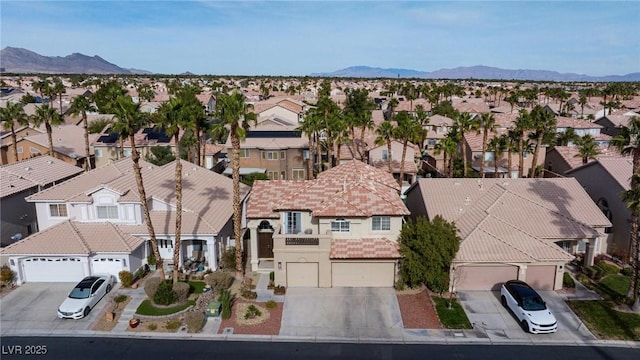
column 525, row 326
column 503, row 300
column 108, row 288
column 87, row 310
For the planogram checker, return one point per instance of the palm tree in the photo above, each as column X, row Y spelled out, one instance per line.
column 587, row 148
column 566, row 137
column 487, row 124
column 522, row 126
column 406, row 131
column 310, row 125
column 448, row 146
column 465, row 123
column 80, row 106
column 12, row 114
column 385, row 133
column 628, row 143
column 232, row 111
column 58, row 88
column 544, row 123
column 48, row 116
column 423, row 120
column 129, row 120
column 582, row 102
column 498, row 145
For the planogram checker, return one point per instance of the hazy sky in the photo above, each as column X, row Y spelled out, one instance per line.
column 302, row 37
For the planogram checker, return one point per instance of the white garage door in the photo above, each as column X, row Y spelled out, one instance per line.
column 491, row 277
column 302, row 274
column 53, row 269
column 541, row 277
column 106, row 265
column 350, row 274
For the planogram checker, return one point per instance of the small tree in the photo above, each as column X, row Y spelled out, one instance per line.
column 427, row 249
column 160, row 155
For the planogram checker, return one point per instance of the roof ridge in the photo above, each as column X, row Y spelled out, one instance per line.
column 121, row 235
column 79, row 236
column 506, row 243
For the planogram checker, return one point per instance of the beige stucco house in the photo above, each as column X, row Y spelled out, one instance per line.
column 340, row 229
column 525, row 229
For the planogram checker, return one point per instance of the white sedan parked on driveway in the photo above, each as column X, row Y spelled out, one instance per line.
column 528, row 307
column 85, row 296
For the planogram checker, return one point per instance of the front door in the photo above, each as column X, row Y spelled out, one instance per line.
column 265, row 245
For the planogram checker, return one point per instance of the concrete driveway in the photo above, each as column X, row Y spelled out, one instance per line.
column 486, row 313
column 345, row 313
column 32, row 308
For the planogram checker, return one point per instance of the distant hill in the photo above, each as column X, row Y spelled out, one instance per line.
column 473, row 72
column 18, row 60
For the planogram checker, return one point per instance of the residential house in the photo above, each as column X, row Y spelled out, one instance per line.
column 582, row 128
column 20, row 180
column 525, row 229
column 94, row 223
column 560, row 159
column 604, row 180
column 287, row 109
column 68, row 145
column 6, row 143
column 611, row 123
column 339, row 230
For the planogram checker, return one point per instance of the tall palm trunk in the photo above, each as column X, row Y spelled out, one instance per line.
column 495, row 165
column 446, row 166
column 634, row 286
column 319, row 154
column 404, row 153
column 521, row 156
column 235, row 166
column 310, row 160
column 536, row 149
column 135, row 156
column 509, row 163
column 87, row 151
column 199, row 143
column 464, row 153
column 14, row 138
column 121, row 147
column 49, row 137
column 389, row 155
column 485, row 134
column 178, row 243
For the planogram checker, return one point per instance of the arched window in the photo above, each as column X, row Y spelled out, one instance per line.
column 265, row 226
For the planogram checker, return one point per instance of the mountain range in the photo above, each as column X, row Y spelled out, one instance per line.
column 18, row 60
column 474, row 72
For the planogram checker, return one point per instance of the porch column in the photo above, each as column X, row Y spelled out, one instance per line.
column 85, row 265
column 522, row 271
column 253, row 241
column 212, row 257
column 593, row 248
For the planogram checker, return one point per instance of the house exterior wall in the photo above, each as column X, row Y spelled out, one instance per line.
column 474, row 158
column 7, row 151
column 294, row 159
column 600, row 185
column 608, row 127
column 396, row 152
column 17, row 216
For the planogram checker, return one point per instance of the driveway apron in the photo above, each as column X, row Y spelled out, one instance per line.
column 348, row 313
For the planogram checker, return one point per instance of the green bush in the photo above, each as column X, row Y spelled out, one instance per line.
column 567, row 281
column 165, row 294
column 182, row 291
column 252, row 312
column 272, row 276
column 151, row 260
column 399, row 285
column 126, row 278
column 228, row 259
column 226, row 300
column 220, row 280
column 271, row 304
column 139, row 273
column 583, row 279
column 627, row 271
column 151, row 286
column 172, row 325
column 608, row 269
column 194, row 320
column 7, row 275
column 594, row 272
column 120, row 298
column 152, row 326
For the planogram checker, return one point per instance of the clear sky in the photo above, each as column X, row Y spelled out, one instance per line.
column 301, row 37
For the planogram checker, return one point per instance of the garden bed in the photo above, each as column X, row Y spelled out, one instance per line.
column 267, row 324
column 102, row 324
column 417, row 310
column 146, row 308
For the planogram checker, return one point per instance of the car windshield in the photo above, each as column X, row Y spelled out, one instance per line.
column 533, row 303
column 80, row 292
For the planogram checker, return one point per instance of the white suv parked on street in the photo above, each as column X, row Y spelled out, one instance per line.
column 528, row 307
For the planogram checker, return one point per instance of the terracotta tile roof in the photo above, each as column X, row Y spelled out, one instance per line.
column 409, row 166
column 350, row 189
column 406, row 105
column 619, row 120
column 366, row 248
column 37, row 171
column 567, row 122
column 67, row 140
column 164, row 223
column 74, row 238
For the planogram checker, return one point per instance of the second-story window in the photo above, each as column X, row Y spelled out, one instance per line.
column 244, row 153
column 107, row 211
column 292, row 222
column 385, row 155
column 298, row 174
column 340, row 225
column 380, row 223
column 127, row 152
column 58, row 210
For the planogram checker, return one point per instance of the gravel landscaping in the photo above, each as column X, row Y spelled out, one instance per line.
column 267, row 324
column 418, row 310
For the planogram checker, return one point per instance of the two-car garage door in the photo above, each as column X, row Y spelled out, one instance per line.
column 478, row 277
column 53, row 269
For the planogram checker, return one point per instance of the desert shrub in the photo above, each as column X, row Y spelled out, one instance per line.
column 247, row 293
column 151, row 286
column 271, row 304
column 226, row 300
column 152, row 326
column 228, row 259
column 627, row 271
column 220, row 280
column 194, row 320
column 126, row 278
column 7, row 275
column 182, row 291
column 279, row 290
column 399, row 285
column 139, row 273
column 608, row 269
column 593, row 272
column 165, row 294
column 120, row 298
column 567, row 281
column 252, row 312
column 172, row 324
